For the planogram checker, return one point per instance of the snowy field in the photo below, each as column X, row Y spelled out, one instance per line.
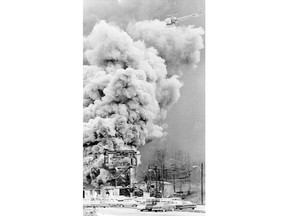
column 135, row 212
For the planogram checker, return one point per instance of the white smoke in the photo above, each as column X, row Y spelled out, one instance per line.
column 177, row 46
column 127, row 89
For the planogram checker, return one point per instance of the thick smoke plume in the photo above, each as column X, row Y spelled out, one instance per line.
column 127, row 87
column 177, row 46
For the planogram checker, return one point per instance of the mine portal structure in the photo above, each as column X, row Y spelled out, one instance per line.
column 120, row 159
column 124, row 160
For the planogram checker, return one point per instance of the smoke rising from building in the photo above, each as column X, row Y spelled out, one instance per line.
column 130, row 80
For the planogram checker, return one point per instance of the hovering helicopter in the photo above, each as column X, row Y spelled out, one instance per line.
column 174, row 21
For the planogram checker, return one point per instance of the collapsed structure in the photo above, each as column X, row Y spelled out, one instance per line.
column 131, row 79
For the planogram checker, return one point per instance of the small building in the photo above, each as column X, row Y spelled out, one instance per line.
column 90, row 192
column 168, row 187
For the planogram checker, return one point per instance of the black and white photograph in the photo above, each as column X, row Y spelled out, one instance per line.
column 143, row 107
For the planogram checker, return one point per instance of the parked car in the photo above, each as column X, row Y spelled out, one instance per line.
column 180, row 194
column 189, row 205
column 177, row 204
column 163, row 206
column 112, row 202
column 104, row 204
column 127, row 203
column 147, row 204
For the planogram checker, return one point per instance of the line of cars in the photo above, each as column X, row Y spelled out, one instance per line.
column 120, row 201
column 165, row 204
column 149, row 204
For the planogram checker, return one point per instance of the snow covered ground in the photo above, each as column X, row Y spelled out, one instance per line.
column 199, row 211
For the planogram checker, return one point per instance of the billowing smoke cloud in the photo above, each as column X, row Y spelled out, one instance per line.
column 127, row 89
column 177, row 46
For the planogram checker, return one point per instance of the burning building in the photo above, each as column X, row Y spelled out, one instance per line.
column 131, row 79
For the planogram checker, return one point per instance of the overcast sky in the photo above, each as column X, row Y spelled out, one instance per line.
column 186, row 119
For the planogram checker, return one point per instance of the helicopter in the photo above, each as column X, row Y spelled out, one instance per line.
column 174, row 21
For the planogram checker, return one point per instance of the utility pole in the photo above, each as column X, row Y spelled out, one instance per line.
column 149, row 182
column 174, row 182
column 163, row 183
column 189, row 180
column 201, row 181
column 156, row 180
column 202, row 189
